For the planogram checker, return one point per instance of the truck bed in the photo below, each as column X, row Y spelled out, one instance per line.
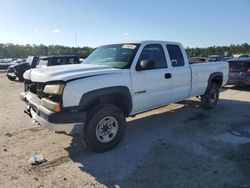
column 201, row 73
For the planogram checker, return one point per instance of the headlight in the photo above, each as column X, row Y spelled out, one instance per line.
column 54, row 89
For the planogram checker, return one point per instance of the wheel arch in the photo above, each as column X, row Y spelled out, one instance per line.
column 216, row 77
column 117, row 95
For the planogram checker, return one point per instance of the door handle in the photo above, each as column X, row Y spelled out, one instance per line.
column 168, row 75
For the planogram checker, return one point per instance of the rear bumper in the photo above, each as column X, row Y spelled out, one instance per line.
column 69, row 120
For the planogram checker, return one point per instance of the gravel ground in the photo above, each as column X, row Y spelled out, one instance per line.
column 180, row 145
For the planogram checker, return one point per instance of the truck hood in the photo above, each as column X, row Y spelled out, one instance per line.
column 67, row 72
column 19, row 65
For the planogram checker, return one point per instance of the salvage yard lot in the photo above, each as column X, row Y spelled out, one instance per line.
column 180, row 145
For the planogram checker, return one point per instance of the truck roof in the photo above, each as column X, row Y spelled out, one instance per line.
column 144, row 41
column 215, row 56
column 245, row 59
column 57, row 56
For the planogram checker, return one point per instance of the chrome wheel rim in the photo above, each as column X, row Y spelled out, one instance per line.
column 213, row 96
column 107, row 129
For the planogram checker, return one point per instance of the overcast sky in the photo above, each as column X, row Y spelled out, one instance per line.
column 195, row 23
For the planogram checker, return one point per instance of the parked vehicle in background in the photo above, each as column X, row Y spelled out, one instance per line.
column 215, row 58
column 58, row 60
column 243, row 56
column 4, row 64
column 17, row 61
column 16, row 70
column 239, row 71
column 82, row 60
column 114, row 82
column 227, row 58
column 193, row 60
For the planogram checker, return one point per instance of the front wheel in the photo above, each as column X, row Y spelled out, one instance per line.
column 105, row 128
column 210, row 99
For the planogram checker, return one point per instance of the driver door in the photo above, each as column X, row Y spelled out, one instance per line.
column 152, row 87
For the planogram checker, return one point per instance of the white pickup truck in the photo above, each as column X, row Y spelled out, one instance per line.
column 117, row 81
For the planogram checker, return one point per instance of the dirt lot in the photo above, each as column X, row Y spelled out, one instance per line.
column 180, row 145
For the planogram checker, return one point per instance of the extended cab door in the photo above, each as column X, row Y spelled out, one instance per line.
column 151, row 86
column 181, row 72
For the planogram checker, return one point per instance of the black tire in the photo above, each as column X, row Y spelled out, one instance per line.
column 210, row 99
column 11, row 78
column 20, row 78
column 96, row 119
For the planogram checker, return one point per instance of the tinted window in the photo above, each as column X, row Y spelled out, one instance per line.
column 57, row 61
column 72, row 60
column 154, row 52
column 175, row 55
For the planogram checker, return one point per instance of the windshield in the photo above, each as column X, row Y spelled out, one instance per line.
column 115, row 55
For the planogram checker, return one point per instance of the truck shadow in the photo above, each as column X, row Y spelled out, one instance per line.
column 172, row 125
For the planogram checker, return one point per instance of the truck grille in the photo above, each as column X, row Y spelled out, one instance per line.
column 34, row 87
column 37, row 88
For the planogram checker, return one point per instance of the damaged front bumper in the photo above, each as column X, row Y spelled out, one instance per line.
column 69, row 120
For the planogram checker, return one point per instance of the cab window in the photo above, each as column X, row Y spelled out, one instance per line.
column 154, row 53
column 176, row 56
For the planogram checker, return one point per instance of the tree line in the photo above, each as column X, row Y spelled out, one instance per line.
column 219, row 50
column 22, row 51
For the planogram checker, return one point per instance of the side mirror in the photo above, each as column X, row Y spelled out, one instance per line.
column 173, row 62
column 145, row 65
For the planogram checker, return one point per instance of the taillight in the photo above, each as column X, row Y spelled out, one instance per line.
column 248, row 70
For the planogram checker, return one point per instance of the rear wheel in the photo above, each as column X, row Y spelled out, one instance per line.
column 210, row 99
column 105, row 128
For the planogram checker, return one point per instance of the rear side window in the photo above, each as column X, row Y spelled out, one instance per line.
column 72, row 60
column 57, row 61
column 175, row 55
column 155, row 53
